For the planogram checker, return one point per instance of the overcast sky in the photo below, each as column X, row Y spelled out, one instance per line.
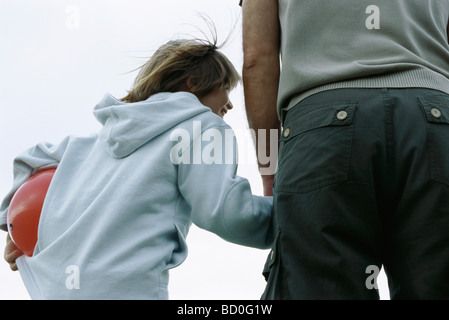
column 58, row 59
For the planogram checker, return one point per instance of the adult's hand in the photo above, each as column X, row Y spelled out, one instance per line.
column 267, row 181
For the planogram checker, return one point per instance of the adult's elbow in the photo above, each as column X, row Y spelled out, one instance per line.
column 253, row 59
column 250, row 60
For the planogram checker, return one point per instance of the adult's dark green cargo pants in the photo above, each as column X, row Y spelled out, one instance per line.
column 362, row 181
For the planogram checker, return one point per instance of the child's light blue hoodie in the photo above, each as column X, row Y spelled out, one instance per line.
column 121, row 202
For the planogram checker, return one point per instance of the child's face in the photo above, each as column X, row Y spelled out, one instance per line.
column 218, row 101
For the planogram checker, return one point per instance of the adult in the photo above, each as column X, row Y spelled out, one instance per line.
column 362, row 94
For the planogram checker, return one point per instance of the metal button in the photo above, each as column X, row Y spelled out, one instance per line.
column 286, row 132
column 435, row 113
column 342, row 115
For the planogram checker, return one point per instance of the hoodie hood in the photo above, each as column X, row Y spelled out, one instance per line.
column 128, row 126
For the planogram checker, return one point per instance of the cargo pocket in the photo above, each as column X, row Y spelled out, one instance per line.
column 315, row 147
column 436, row 110
column 271, row 272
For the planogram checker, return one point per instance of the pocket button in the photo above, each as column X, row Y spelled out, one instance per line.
column 342, row 115
column 286, row 132
column 436, row 113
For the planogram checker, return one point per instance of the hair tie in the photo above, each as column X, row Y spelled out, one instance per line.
column 212, row 48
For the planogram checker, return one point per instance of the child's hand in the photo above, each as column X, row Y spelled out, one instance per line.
column 11, row 253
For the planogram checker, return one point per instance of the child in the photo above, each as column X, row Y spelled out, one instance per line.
column 121, row 202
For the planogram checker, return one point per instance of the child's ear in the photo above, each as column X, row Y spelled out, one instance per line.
column 191, row 83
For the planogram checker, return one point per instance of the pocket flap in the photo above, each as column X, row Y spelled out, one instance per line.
column 333, row 115
column 436, row 108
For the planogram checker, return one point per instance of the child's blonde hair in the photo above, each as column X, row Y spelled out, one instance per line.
column 184, row 65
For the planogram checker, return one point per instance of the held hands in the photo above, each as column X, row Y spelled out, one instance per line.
column 11, row 253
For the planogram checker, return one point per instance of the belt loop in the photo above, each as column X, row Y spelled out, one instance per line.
column 283, row 115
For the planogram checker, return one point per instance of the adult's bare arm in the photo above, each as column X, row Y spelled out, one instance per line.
column 261, row 70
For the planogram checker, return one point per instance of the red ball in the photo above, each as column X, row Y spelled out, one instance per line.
column 25, row 210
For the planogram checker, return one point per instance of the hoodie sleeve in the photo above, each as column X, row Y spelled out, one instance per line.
column 221, row 201
column 39, row 157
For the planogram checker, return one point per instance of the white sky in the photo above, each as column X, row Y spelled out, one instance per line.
column 58, row 59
